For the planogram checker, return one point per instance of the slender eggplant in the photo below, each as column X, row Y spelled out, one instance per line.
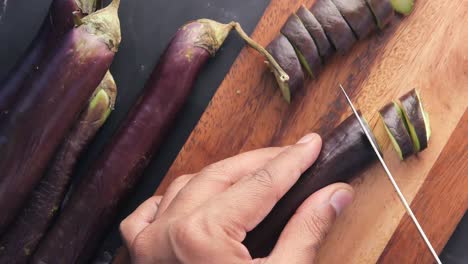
column 22, row 237
column 336, row 28
column 36, row 126
column 59, row 21
column 345, row 152
column 394, row 123
column 93, row 204
column 316, row 31
column 304, row 45
column 358, row 15
column 404, row 7
column 382, row 10
column 416, row 118
column 284, row 53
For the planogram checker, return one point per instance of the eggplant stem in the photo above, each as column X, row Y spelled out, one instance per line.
column 281, row 75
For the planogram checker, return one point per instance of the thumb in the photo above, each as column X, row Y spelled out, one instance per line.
column 306, row 230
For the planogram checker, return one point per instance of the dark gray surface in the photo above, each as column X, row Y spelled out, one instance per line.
column 147, row 27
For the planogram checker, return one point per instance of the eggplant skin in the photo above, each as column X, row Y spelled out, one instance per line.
column 93, row 204
column 345, row 152
column 283, row 52
column 358, row 15
column 316, row 31
column 58, row 22
column 300, row 38
column 395, row 123
column 36, row 126
column 20, row 240
column 411, row 106
column 382, row 10
column 336, row 28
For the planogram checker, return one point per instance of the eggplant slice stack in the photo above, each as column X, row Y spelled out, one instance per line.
column 315, row 34
column 407, row 124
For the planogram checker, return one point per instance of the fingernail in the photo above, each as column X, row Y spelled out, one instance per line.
column 341, row 199
column 307, row 138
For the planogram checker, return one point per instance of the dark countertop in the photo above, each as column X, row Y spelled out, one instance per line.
column 146, row 28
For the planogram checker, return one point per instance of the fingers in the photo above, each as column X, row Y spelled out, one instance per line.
column 306, row 230
column 172, row 192
column 143, row 216
column 219, row 176
column 252, row 198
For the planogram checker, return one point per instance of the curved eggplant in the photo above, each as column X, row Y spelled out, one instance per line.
column 22, row 237
column 305, row 47
column 416, row 118
column 382, row 10
column 336, row 28
column 284, row 53
column 345, row 152
column 316, row 31
column 33, row 130
column 93, row 204
column 358, row 15
column 58, row 22
column 394, row 123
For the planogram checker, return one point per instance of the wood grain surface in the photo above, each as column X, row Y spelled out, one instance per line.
column 440, row 203
column 425, row 50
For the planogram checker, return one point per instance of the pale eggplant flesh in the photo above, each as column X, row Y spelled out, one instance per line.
column 305, row 47
column 345, row 152
column 394, row 123
column 335, row 26
column 314, row 28
column 358, row 15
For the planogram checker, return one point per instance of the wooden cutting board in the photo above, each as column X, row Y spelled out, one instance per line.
column 427, row 50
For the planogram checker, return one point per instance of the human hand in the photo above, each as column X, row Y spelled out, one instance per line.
column 204, row 217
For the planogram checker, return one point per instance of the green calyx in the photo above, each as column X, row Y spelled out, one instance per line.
column 102, row 103
column 105, row 23
column 404, row 7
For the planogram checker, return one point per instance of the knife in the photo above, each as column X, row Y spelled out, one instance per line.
column 392, row 180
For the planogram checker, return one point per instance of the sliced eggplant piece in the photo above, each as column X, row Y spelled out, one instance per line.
column 345, row 152
column 358, row 15
column 382, row 10
column 404, row 7
column 283, row 52
column 314, row 28
column 394, row 123
column 416, row 118
column 336, row 28
column 301, row 40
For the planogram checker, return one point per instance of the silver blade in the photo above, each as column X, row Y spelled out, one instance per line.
column 392, row 180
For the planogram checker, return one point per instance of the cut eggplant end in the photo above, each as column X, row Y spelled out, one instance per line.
column 374, row 140
column 416, row 119
column 425, row 117
column 404, row 7
column 397, row 130
column 392, row 139
column 304, row 63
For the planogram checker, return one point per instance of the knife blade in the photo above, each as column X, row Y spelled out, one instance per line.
column 392, row 180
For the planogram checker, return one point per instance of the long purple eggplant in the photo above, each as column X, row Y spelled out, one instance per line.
column 39, row 122
column 22, row 237
column 92, row 206
column 345, row 152
column 58, row 22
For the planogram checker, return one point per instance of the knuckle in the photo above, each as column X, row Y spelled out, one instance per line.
column 264, row 178
column 187, row 235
